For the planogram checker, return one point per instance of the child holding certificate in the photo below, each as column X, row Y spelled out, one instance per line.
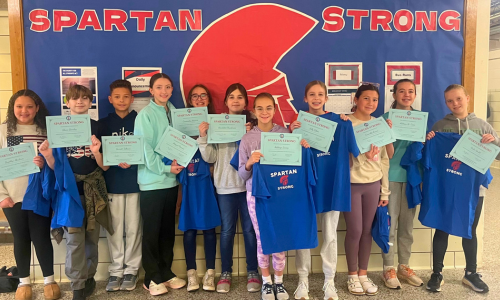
column 25, row 123
column 231, row 195
column 86, row 164
column 123, row 193
column 159, row 187
column 404, row 94
column 369, row 189
column 249, row 154
column 459, row 121
column 332, row 192
column 198, row 206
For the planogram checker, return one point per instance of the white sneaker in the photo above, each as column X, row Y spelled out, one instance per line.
column 330, row 291
column 157, row 289
column 193, row 284
column 209, row 280
column 302, row 291
column 175, row 283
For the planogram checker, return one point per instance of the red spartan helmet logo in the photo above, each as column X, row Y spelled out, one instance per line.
column 246, row 46
column 456, row 164
column 191, row 168
column 284, row 180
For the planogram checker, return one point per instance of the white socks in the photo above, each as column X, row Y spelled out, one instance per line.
column 388, row 267
column 48, row 279
column 352, row 276
column 278, row 279
column 267, row 279
column 24, row 281
column 368, row 286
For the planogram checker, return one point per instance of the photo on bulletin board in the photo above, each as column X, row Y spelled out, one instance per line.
column 342, row 81
column 395, row 71
column 86, row 76
column 139, row 78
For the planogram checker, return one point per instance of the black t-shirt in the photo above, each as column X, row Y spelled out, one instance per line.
column 81, row 159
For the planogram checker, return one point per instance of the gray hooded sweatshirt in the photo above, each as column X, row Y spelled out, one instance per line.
column 450, row 123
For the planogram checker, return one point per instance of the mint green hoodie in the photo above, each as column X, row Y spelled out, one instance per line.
column 151, row 122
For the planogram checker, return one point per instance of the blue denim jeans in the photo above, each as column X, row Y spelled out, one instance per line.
column 229, row 206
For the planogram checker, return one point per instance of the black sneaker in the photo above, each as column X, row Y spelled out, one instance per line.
column 474, row 281
column 79, row 294
column 435, row 283
column 89, row 287
column 280, row 292
column 267, row 292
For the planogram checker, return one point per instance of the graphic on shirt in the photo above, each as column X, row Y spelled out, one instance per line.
column 284, row 180
column 122, row 132
column 79, row 152
column 19, row 139
column 456, row 165
column 191, row 168
column 462, row 130
column 252, row 25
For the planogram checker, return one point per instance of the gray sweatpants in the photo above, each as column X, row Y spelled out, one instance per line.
column 81, row 254
column 402, row 218
column 329, row 222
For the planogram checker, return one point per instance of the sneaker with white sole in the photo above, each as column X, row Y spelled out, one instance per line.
column 157, row 289
column 474, row 281
column 330, row 291
column 406, row 273
column 267, row 292
column 280, row 292
column 435, row 283
column 302, row 291
column 253, row 282
column 391, row 279
column 193, row 284
column 175, row 283
column 224, row 284
column 354, row 286
column 209, row 280
column 129, row 282
column 370, row 288
column 113, row 284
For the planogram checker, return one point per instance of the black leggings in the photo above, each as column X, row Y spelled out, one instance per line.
column 440, row 244
column 29, row 227
column 210, row 241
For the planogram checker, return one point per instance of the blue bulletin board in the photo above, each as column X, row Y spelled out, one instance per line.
column 274, row 47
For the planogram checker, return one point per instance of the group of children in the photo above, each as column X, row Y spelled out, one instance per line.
column 141, row 202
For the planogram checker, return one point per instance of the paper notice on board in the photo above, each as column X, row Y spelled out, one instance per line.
column 139, row 77
column 342, row 80
column 395, row 71
column 86, row 76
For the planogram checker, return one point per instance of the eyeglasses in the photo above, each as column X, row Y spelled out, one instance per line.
column 196, row 96
column 377, row 85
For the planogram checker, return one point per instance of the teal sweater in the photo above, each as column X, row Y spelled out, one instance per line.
column 151, row 122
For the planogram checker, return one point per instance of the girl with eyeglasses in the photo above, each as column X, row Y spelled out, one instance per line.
column 197, row 206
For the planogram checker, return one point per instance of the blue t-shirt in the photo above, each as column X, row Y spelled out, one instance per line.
column 411, row 163
column 451, row 188
column 284, row 205
column 333, row 187
column 199, row 208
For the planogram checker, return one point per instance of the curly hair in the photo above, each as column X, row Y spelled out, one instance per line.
column 39, row 120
